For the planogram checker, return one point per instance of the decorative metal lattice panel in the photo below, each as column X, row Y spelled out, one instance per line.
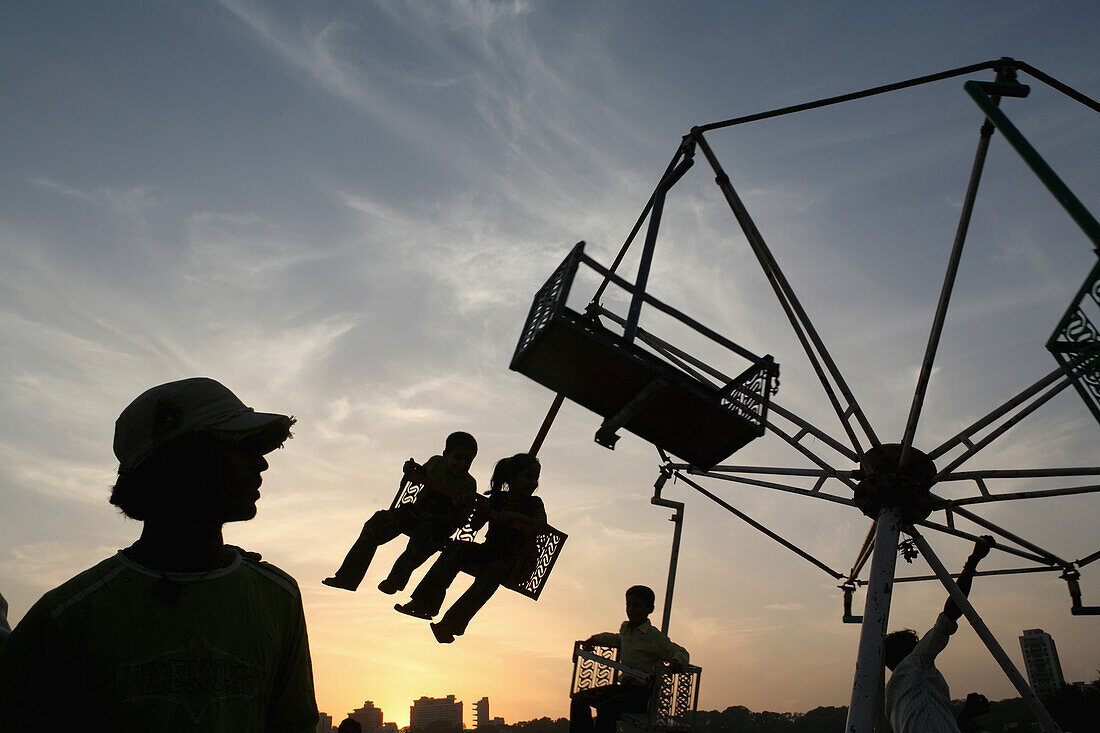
column 674, row 694
column 589, row 673
column 749, row 392
column 534, row 565
column 1076, row 342
column 550, row 299
column 674, row 700
column 414, row 486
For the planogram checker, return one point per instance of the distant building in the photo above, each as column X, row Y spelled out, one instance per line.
column 1044, row 671
column 481, row 712
column 368, row 716
column 324, row 723
column 429, row 710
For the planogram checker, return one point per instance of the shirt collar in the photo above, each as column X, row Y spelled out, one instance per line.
column 642, row 628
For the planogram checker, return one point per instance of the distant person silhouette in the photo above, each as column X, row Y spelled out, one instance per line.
column 349, row 725
column 640, row 646
column 918, row 699
column 513, row 515
column 5, row 629
column 429, row 521
column 179, row 631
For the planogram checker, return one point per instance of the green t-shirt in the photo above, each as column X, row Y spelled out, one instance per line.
column 105, row 651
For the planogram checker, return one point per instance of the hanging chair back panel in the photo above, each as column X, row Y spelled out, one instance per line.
column 674, row 695
column 656, row 400
column 535, row 561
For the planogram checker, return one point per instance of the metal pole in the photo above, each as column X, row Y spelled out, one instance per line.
column 678, row 520
column 650, row 243
column 1050, row 557
column 819, row 356
column 759, row 527
column 771, row 485
column 866, row 702
column 1073, row 206
column 1004, row 427
column 945, row 293
column 964, row 436
column 551, row 414
column 1045, row 721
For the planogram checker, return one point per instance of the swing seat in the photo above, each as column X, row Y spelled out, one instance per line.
column 533, row 562
column 647, row 392
column 674, row 695
column 1075, row 343
column 415, row 486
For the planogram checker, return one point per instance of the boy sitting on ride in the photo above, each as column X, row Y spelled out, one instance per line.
column 429, row 521
column 642, row 647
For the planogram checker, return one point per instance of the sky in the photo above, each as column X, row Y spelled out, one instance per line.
column 341, row 210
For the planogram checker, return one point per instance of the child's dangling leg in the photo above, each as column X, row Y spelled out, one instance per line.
column 429, row 593
column 458, row 616
column 378, row 530
column 427, row 539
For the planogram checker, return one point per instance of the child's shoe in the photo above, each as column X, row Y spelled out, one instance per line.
column 336, row 582
column 389, row 587
column 442, row 635
column 411, row 609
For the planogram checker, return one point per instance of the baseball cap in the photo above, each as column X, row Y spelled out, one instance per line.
column 197, row 405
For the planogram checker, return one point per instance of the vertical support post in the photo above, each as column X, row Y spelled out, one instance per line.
column 674, row 558
column 1030, row 698
column 865, row 705
column 678, row 520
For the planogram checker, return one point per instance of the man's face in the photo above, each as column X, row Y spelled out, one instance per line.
column 637, row 610
column 228, row 482
column 458, row 460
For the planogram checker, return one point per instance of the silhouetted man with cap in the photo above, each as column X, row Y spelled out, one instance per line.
column 179, row 631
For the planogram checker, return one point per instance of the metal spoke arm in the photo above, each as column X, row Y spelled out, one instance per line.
column 1048, row 557
column 815, row 349
column 951, row 504
column 1060, row 383
column 759, row 527
column 945, row 292
column 764, row 484
column 1073, row 206
column 1030, row 698
column 966, row 436
column 974, row 538
column 980, row 573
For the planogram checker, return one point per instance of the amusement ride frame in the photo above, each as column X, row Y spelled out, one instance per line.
column 892, row 484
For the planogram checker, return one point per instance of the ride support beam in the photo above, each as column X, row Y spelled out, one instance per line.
column 945, row 293
column 1030, row 698
column 866, row 702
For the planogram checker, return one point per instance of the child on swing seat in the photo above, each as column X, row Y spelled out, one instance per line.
column 513, row 515
column 428, row 522
column 640, row 646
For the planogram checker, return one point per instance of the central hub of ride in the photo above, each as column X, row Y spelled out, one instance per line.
column 883, row 482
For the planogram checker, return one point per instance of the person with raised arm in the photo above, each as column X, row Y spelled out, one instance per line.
column 918, row 699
